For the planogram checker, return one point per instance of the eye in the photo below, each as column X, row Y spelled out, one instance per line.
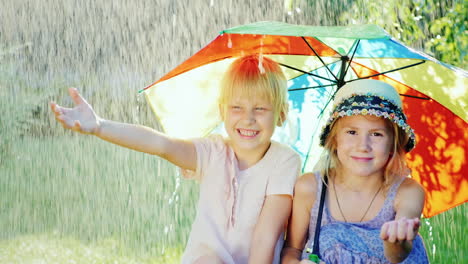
column 235, row 107
column 351, row 132
column 377, row 134
column 260, row 108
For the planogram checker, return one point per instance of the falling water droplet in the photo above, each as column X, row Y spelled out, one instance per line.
column 430, row 239
column 260, row 64
column 229, row 44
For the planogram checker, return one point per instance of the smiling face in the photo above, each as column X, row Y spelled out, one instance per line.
column 250, row 123
column 252, row 101
column 363, row 145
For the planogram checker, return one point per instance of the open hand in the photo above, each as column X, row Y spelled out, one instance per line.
column 400, row 230
column 80, row 118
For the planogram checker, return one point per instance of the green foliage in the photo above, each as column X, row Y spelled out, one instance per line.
column 436, row 27
column 450, row 43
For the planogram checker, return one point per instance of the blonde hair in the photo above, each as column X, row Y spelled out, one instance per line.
column 395, row 167
column 256, row 75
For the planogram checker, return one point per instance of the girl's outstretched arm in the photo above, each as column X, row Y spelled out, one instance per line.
column 296, row 238
column 398, row 235
column 83, row 119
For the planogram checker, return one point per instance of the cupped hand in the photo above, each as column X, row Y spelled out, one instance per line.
column 400, row 230
column 80, row 118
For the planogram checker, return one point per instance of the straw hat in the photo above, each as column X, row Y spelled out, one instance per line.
column 369, row 97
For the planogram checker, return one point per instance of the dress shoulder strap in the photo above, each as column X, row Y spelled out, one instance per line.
column 394, row 188
column 387, row 212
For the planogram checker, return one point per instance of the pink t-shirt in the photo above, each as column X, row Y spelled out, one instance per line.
column 230, row 200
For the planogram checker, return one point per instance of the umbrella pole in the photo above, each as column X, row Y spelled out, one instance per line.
column 344, row 68
column 341, row 81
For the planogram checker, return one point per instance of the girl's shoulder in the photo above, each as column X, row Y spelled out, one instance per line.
column 410, row 196
column 410, row 187
column 306, row 190
column 307, row 185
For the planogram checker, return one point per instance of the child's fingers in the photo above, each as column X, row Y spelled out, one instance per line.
column 76, row 126
column 410, row 231
column 76, row 97
column 58, row 110
column 55, row 108
column 392, row 232
column 413, row 228
column 52, row 106
column 417, row 224
column 384, row 232
column 402, row 229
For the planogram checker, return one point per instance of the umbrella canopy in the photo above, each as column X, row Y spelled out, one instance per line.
column 317, row 61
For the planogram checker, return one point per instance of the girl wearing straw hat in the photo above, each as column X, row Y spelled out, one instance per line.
column 367, row 207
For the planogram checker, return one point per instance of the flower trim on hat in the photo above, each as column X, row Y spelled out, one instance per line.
column 368, row 104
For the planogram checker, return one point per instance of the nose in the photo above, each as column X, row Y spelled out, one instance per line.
column 364, row 143
column 249, row 116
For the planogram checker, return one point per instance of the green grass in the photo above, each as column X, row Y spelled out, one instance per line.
column 67, row 195
column 445, row 236
column 52, row 249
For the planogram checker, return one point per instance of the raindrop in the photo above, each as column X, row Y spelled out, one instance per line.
column 177, row 183
column 430, row 239
column 260, row 63
column 229, row 42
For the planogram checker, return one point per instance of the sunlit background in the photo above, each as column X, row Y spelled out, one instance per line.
column 67, row 198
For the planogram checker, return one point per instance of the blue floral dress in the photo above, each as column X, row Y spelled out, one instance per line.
column 342, row 242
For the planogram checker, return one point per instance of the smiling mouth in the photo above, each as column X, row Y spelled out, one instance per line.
column 247, row 132
column 361, row 159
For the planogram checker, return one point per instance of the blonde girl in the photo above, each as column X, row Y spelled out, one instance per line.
column 246, row 179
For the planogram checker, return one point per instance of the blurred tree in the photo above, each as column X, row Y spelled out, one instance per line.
column 437, row 27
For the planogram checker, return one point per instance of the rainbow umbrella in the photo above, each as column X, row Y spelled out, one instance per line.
column 317, row 61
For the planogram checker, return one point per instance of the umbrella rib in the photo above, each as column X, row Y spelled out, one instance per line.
column 310, row 87
column 326, row 105
column 352, row 57
column 416, row 97
column 316, row 54
column 299, row 70
column 385, row 72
